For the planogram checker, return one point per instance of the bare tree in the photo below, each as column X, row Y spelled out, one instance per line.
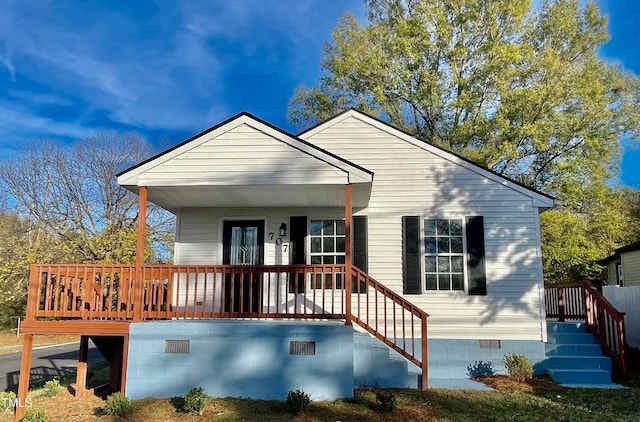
column 70, row 191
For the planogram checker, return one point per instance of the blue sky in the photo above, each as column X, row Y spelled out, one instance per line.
column 170, row 69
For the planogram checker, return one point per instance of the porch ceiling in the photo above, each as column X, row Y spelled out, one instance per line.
column 257, row 196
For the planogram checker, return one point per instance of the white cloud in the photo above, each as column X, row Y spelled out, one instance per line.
column 6, row 61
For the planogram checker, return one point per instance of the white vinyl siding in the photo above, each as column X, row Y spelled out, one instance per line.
column 409, row 180
column 242, row 156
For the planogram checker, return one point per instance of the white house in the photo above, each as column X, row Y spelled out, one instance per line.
column 298, row 256
column 453, row 238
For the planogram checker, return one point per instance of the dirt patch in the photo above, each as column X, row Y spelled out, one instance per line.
column 531, row 385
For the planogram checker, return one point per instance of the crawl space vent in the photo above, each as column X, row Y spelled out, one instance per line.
column 302, row 348
column 177, row 346
column 490, row 344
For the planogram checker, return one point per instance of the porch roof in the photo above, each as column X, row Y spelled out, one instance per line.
column 246, row 162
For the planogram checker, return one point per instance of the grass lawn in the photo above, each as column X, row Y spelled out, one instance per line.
column 538, row 400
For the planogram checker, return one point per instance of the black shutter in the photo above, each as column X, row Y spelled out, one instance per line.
column 297, row 237
column 360, row 258
column 360, row 242
column 411, row 258
column 475, row 256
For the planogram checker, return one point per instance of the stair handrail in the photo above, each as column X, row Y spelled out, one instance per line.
column 606, row 323
column 369, row 319
column 582, row 300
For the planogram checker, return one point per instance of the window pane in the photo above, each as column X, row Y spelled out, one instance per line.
column 432, row 282
column 338, row 281
column 316, row 244
column 430, row 245
column 457, row 282
column 456, row 244
column 443, row 282
column 430, row 227
column 340, row 227
column 328, row 259
column 340, row 244
column 327, row 244
column 443, row 227
column 455, row 227
column 430, row 264
column 456, row 264
column 327, row 227
column 443, row 264
column 315, row 228
column 316, row 259
column 328, row 281
column 340, row 259
column 318, row 281
column 443, row 245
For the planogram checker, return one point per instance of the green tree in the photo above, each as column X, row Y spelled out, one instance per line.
column 22, row 244
column 70, row 192
column 518, row 90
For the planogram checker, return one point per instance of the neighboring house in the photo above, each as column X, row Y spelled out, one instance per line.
column 268, row 225
column 623, row 267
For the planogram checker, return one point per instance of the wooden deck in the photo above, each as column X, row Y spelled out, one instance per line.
column 103, row 300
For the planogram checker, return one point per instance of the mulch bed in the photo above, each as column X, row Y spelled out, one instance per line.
column 531, row 385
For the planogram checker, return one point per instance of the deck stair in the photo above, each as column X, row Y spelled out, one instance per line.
column 574, row 357
column 376, row 365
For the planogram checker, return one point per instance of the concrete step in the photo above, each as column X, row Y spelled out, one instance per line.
column 580, row 376
column 578, row 362
column 571, row 338
column 374, row 365
column 566, row 327
column 554, row 349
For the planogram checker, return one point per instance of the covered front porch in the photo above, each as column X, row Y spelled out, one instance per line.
column 246, row 196
column 102, row 301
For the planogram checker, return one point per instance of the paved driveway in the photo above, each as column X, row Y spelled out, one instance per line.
column 46, row 362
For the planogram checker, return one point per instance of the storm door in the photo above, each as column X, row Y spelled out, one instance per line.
column 243, row 245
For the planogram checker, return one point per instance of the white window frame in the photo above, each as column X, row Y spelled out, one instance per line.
column 465, row 283
column 335, row 254
column 335, row 236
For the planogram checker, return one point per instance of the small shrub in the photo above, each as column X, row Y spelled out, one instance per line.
column 298, row 401
column 35, row 415
column 518, row 366
column 195, row 401
column 7, row 399
column 387, row 400
column 480, row 369
column 118, row 405
column 51, row 388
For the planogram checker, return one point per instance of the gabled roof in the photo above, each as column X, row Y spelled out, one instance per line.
column 540, row 199
column 618, row 252
column 355, row 173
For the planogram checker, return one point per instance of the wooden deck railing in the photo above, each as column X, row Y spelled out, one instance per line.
column 583, row 301
column 163, row 292
column 392, row 319
column 113, row 292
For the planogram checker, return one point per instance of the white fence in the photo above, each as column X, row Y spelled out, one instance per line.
column 627, row 300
